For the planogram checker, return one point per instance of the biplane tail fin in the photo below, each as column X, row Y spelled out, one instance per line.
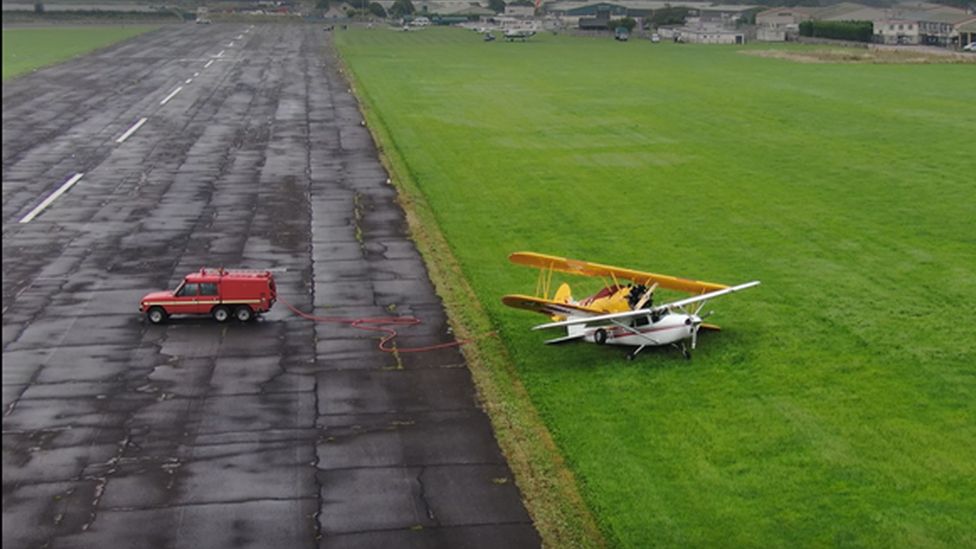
column 564, row 294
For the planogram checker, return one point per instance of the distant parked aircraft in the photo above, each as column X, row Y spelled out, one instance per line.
column 519, row 34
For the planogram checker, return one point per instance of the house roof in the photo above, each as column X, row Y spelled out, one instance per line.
column 828, row 12
column 729, row 7
column 473, row 10
column 934, row 16
column 922, row 6
column 863, row 14
column 567, row 5
column 946, row 9
column 792, row 9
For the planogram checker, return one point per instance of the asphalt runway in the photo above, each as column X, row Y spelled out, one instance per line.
column 241, row 147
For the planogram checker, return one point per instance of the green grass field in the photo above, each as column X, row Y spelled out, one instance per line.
column 838, row 406
column 27, row 49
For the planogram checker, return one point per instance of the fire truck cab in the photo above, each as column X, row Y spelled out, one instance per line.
column 216, row 292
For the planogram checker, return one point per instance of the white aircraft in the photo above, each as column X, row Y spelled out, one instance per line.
column 518, row 34
column 619, row 314
column 669, row 324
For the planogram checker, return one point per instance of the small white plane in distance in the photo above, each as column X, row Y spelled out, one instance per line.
column 619, row 314
column 518, row 34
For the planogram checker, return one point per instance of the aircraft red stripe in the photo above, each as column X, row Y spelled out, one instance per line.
column 616, row 330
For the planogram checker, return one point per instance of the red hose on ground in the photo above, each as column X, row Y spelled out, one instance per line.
column 381, row 324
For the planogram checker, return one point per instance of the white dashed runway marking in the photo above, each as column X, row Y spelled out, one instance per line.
column 131, row 130
column 54, row 196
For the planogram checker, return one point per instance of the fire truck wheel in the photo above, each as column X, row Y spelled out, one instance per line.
column 156, row 315
column 220, row 313
column 244, row 313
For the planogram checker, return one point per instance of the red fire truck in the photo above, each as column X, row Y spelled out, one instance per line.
column 216, row 292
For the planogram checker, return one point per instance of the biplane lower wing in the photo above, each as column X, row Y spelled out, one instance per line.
column 585, row 268
column 548, row 307
column 564, row 339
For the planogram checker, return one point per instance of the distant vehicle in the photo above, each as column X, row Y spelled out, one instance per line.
column 489, row 37
column 518, row 34
column 621, row 34
column 655, row 38
column 216, row 292
column 203, row 21
column 420, row 22
column 328, row 28
column 970, row 47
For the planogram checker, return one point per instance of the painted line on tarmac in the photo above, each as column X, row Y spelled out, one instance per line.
column 208, row 63
column 54, row 196
column 196, row 74
column 221, row 54
column 188, row 80
column 171, row 95
column 240, row 37
column 131, row 130
column 230, row 44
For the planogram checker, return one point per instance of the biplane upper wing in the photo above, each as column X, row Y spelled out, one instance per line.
column 548, row 307
column 585, row 268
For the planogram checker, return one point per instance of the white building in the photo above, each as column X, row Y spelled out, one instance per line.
column 702, row 35
column 896, row 31
column 777, row 24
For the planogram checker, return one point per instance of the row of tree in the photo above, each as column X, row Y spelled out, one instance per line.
column 857, row 31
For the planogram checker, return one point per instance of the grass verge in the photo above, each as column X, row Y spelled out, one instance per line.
column 29, row 49
column 834, row 407
column 547, row 485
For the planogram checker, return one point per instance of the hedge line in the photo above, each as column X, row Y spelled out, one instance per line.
column 857, row 31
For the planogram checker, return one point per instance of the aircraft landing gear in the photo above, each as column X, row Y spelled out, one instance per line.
column 633, row 354
column 685, row 351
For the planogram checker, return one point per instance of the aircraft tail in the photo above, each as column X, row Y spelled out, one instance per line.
column 563, row 295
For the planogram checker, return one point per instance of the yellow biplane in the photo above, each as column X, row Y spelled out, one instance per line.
column 622, row 312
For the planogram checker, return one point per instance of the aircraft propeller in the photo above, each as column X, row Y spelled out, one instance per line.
column 696, row 321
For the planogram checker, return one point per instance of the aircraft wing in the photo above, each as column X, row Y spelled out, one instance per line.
column 585, row 268
column 548, row 307
column 644, row 312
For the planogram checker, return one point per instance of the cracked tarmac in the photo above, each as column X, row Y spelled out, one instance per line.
column 280, row 432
